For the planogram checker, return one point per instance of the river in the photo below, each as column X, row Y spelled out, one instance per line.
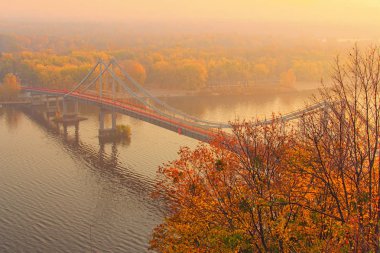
column 68, row 193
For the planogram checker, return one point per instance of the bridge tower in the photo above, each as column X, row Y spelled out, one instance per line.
column 107, row 134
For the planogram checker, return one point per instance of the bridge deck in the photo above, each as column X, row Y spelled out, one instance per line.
column 135, row 111
column 175, row 121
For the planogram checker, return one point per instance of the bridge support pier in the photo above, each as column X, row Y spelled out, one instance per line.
column 101, row 120
column 51, row 110
column 107, row 134
column 69, row 118
column 57, row 104
column 66, row 125
column 74, row 106
column 64, row 107
column 113, row 120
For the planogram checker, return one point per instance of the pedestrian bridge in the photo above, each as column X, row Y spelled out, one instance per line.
column 101, row 85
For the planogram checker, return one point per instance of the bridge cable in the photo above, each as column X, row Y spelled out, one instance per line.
column 154, row 108
column 149, row 95
column 83, row 80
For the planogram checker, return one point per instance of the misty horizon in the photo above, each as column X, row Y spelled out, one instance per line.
column 291, row 30
column 337, row 18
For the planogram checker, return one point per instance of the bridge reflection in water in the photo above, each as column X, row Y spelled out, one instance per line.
column 68, row 192
column 99, row 160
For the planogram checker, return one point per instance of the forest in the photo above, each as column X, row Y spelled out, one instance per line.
column 168, row 61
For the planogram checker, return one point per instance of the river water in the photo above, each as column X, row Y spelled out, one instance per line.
column 68, row 193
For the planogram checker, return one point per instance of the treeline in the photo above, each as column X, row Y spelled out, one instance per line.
column 313, row 186
column 184, row 62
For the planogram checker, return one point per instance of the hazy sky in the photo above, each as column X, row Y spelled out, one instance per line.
column 356, row 13
column 364, row 11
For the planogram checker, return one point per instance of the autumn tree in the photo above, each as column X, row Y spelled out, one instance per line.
column 228, row 71
column 10, row 87
column 341, row 145
column 161, row 73
column 235, row 196
column 136, row 70
column 191, row 75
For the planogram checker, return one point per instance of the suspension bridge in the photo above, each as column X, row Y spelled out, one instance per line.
column 112, row 89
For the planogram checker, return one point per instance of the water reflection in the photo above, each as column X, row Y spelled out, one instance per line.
column 103, row 163
column 12, row 118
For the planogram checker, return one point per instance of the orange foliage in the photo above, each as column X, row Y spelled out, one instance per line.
column 136, row 70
